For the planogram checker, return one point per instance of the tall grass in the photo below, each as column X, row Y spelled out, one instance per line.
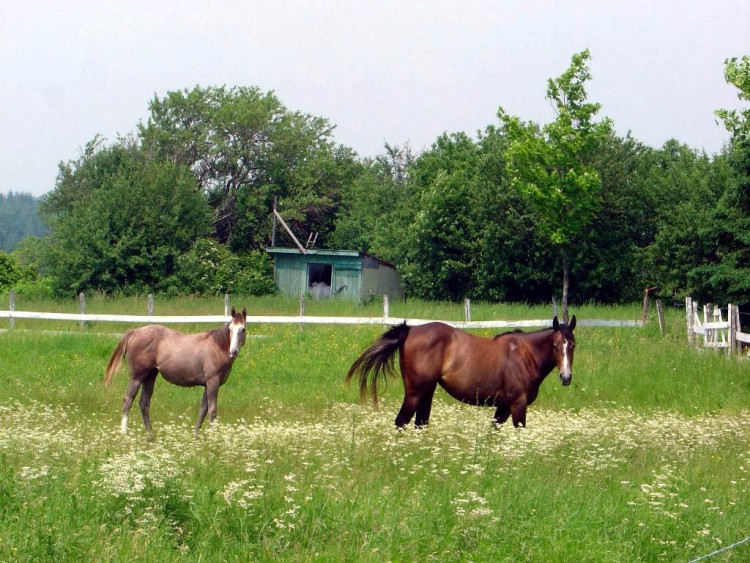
column 646, row 456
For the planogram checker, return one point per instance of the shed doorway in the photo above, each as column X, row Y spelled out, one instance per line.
column 319, row 278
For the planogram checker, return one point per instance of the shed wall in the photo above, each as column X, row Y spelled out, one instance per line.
column 352, row 276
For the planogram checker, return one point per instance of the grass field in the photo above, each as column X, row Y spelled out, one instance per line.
column 645, row 457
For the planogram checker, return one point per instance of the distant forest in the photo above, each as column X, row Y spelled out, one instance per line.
column 19, row 219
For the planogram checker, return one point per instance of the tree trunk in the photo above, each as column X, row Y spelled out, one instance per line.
column 566, row 280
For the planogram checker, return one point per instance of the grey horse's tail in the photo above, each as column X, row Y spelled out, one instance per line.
column 116, row 360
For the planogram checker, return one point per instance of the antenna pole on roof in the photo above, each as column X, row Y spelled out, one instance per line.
column 273, row 229
column 288, row 230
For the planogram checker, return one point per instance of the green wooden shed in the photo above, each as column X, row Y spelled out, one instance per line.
column 339, row 274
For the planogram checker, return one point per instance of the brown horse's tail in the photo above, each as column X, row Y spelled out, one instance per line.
column 116, row 360
column 377, row 361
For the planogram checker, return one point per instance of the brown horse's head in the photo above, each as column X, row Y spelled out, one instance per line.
column 563, row 345
column 237, row 332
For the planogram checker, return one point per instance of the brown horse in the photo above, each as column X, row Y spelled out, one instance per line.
column 187, row 360
column 504, row 372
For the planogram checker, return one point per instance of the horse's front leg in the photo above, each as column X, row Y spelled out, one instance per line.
column 147, row 390
column 208, row 403
column 202, row 411
column 518, row 412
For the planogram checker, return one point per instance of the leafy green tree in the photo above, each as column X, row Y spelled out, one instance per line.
column 607, row 259
column 363, row 221
column 120, row 219
column 433, row 242
column 9, row 274
column 245, row 149
column 512, row 261
column 552, row 165
column 685, row 185
column 729, row 228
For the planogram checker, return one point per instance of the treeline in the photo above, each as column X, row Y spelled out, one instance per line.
column 517, row 213
column 19, row 219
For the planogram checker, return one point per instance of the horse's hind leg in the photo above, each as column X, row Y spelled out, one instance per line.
column 127, row 401
column 425, row 406
column 147, row 390
column 408, row 408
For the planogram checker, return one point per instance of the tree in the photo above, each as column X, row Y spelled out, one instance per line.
column 120, row 219
column 245, row 148
column 9, row 274
column 363, row 220
column 433, row 235
column 729, row 229
column 551, row 166
column 620, row 230
column 684, row 185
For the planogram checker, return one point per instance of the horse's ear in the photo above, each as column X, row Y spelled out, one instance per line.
column 572, row 324
column 244, row 313
column 233, row 312
column 555, row 323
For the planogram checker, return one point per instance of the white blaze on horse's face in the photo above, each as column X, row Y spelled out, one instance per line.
column 564, row 346
column 237, row 337
column 566, row 372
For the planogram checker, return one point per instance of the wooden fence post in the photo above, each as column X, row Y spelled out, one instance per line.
column 82, row 306
column 386, row 307
column 226, row 304
column 467, row 309
column 646, row 293
column 733, row 317
column 689, row 319
column 150, row 306
column 708, row 334
column 738, row 329
column 660, row 316
column 12, row 307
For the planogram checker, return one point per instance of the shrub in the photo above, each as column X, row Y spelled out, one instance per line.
column 210, row 268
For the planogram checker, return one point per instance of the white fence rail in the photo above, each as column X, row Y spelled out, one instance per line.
column 386, row 319
column 716, row 332
column 293, row 319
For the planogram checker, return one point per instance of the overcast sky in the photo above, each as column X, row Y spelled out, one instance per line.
column 381, row 71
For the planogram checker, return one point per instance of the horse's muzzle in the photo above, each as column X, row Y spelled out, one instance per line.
column 566, row 378
column 233, row 354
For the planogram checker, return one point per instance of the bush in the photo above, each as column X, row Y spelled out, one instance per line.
column 9, row 271
column 210, row 268
column 38, row 289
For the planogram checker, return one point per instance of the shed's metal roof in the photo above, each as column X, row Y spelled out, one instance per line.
column 330, row 253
